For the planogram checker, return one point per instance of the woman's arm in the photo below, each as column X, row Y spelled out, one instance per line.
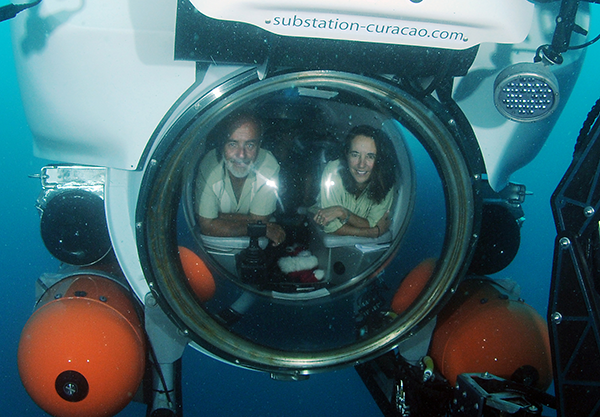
column 352, row 225
column 327, row 215
column 349, row 230
column 380, row 228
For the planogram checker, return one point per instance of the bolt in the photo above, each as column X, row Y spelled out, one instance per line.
column 70, row 389
column 103, row 298
column 564, row 243
column 589, row 211
column 150, row 300
column 556, row 317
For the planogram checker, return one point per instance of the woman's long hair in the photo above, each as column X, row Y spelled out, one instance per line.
column 383, row 174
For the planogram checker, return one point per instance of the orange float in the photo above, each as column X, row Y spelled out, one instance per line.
column 412, row 285
column 482, row 330
column 197, row 274
column 82, row 352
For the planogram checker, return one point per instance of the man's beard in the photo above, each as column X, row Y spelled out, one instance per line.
column 239, row 169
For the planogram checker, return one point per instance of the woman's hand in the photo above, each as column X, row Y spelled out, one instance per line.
column 327, row 215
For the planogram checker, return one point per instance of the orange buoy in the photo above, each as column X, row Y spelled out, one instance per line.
column 82, row 352
column 482, row 330
column 199, row 277
column 412, row 285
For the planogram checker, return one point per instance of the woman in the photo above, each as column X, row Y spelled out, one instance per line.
column 357, row 190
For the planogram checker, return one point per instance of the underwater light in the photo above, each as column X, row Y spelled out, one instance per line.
column 526, row 92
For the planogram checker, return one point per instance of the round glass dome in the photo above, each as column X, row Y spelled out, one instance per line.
column 318, row 300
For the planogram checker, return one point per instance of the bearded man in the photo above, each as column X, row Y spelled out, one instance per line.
column 237, row 182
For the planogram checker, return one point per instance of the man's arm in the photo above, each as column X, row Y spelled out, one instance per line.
column 235, row 224
column 226, row 225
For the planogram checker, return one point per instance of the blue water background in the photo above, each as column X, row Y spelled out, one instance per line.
column 210, row 388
